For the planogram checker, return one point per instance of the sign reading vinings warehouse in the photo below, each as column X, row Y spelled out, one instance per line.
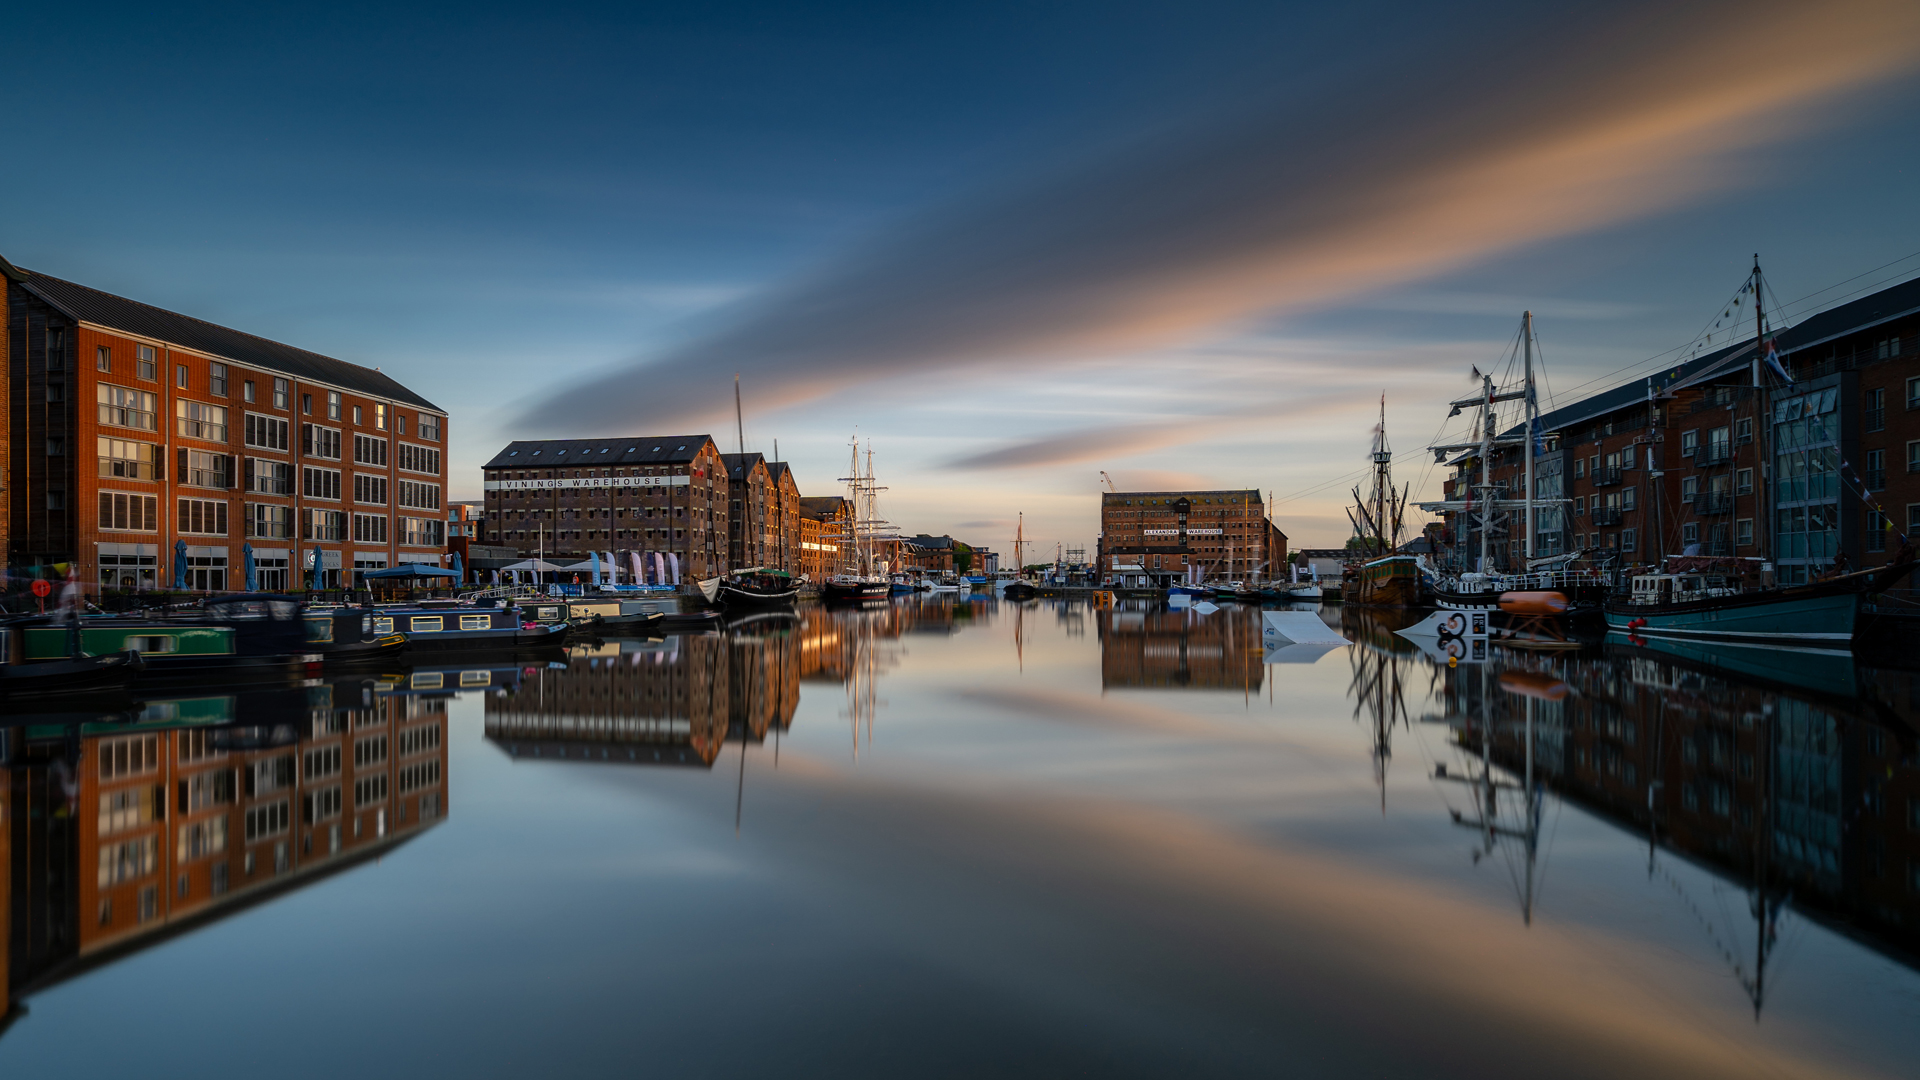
column 588, row 482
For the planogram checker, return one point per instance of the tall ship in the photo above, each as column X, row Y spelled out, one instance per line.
column 863, row 578
column 1388, row 579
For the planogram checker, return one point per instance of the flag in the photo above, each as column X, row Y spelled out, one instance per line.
column 1772, row 359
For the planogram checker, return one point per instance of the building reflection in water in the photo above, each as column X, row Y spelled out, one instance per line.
column 123, row 831
column 1181, row 649
column 1800, row 789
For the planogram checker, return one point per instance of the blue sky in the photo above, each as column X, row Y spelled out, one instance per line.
column 1014, row 245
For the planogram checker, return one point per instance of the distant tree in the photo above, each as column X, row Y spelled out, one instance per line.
column 962, row 558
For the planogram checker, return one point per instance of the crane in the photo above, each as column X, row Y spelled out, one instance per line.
column 1108, row 479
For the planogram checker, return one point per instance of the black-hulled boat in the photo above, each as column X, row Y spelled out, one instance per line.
column 65, row 675
column 854, row 590
column 240, row 635
column 758, row 589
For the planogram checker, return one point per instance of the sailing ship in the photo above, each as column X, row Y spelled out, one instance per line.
column 1389, row 580
column 1826, row 612
column 862, row 580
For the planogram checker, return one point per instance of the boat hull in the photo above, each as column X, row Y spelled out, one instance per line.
column 748, row 599
column 845, row 592
column 1783, row 618
column 1393, row 582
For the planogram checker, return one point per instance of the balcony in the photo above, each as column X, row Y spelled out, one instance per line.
column 1874, row 419
column 1712, row 502
column 1602, row 477
column 1877, row 479
column 1713, row 454
column 1605, row 515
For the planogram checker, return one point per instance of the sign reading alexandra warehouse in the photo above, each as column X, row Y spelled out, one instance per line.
column 1176, row 532
column 588, row 482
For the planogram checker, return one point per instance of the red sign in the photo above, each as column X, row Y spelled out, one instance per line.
column 42, row 588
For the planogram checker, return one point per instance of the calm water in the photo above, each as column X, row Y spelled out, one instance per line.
column 978, row 839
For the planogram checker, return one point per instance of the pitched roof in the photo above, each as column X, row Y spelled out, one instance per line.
column 624, row 450
column 83, row 304
column 778, row 469
column 1869, row 311
column 739, row 465
column 820, row 507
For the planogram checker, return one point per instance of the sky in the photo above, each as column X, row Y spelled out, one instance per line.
column 1010, row 246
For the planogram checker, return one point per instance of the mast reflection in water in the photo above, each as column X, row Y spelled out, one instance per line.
column 132, row 827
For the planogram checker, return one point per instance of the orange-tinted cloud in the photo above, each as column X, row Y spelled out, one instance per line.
column 1571, row 122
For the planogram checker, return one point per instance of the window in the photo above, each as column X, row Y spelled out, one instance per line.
column 370, row 790
column 321, row 762
column 266, row 432
column 1876, row 531
column 1913, row 518
column 1887, row 348
column 399, row 424
column 102, row 358
column 127, row 460
column 269, row 522
column 1876, row 470
column 333, row 405
column 180, row 376
column 368, row 450
column 369, row 489
column 1743, row 531
column 423, row 532
column 246, row 391
column 203, row 516
column 358, row 419
column 430, row 428
column 323, row 525
column 121, row 758
column 1743, row 482
column 126, row 861
column 1579, row 468
column 1626, row 539
column 306, row 404
column 323, row 804
column 417, row 740
column 369, row 529
column 122, row 512
column 320, row 483
column 128, row 571
column 119, row 406
column 419, row 775
column 198, row 420
column 321, row 442
column 419, row 496
column 379, row 417
column 1743, row 431
column 269, row 477
column 1690, row 533
column 202, row 838
column 1579, row 506
column 217, row 379
column 56, row 446
column 128, row 808
column 370, row 751
column 269, row 820
column 144, row 367
column 1689, row 487
column 1689, row 443
column 199, row 468
column 1913, row 457
column 1913, row 392
column 420, row 459
column 205, row 790
column 1626, row 498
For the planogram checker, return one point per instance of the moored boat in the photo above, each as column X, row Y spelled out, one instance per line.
column 65, row 675
column 1709, row 606
column 445, row 628
column 1392, row 581
column 758, row 589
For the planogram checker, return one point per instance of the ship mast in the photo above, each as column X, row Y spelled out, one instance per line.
column 1533, row 416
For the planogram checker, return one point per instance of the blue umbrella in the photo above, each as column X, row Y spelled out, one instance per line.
column 596, row 566
column 248, row 568
column 458, row 568
column 313, row 568
column 179, row 564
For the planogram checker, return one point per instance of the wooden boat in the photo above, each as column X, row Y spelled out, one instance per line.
column 758, row 589
column 639, row 623
column 1707, row 606
column 1393, row 581
column 1020, row 590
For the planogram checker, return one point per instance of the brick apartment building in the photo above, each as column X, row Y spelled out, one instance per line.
column 1681, row 462
column 1150, row 538
column 204, row 439
column 825, row 521
column 564, row 498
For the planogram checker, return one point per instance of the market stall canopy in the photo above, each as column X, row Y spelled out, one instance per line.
column 407, row 570
column 538, row 565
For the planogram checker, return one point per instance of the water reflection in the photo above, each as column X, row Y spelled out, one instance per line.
column 1800, row 790
column 125, row 828
column 1169, row 649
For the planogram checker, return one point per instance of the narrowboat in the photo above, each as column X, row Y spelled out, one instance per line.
column 344, row 636
column 639, row 616
column 21, row 677
column 440, row 628
column 242, row 634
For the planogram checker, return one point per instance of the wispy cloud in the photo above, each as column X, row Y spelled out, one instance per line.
column 1571, row 122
